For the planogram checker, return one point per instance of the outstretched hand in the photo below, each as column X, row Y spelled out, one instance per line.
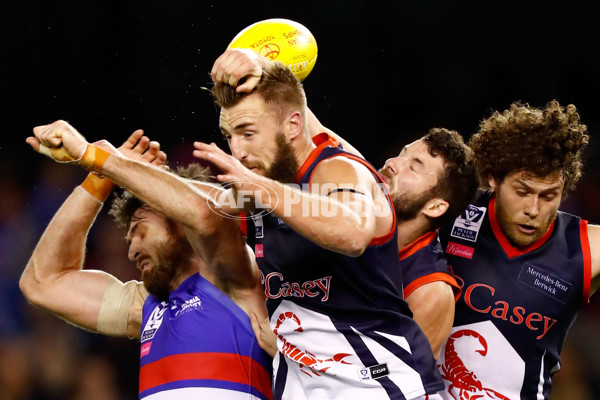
column 238, row 66
column 63, row 143
column 140, row 148
column 232, row 170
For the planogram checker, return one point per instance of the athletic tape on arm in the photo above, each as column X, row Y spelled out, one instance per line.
column 120, row 304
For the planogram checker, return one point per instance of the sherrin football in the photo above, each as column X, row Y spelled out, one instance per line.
column 282, row 40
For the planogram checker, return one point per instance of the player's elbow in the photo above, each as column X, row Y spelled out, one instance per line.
column 205, row 220
column 355, row 245
column 29, row 285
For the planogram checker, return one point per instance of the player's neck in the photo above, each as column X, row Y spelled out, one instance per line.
column 303, row 146
column 193, row 267
column 411, row 230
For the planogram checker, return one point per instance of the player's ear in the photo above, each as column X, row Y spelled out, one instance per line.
column 295, row 125
column 435, row 207
column 492, row 182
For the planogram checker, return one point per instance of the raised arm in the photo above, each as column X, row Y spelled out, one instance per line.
column 325, row 215
column 216, row 239
column 54, row 278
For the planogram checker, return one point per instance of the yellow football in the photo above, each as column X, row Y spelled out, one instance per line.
column 282, row 40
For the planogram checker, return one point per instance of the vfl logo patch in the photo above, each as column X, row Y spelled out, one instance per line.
column 460, row 250
column 374, row 372
column 154, row 322
column 467, row 225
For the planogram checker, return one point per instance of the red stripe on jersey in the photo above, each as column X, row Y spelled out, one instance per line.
column 216, row 366
column 587, row 260
column 244, row 224
column 322, row 140
column 417, row 245
column 435, row 277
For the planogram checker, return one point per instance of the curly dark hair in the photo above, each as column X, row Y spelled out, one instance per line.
column 458, row 185
column 279, row 87
column 124, row 206
column 524, row 138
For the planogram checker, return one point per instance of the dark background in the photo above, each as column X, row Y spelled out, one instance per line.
column 386, row 73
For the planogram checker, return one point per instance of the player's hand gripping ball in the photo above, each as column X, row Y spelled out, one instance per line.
column 280, row 40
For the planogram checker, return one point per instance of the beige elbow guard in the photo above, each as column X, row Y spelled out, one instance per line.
column 121, row 308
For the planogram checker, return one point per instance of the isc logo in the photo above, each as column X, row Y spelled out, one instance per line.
column 374, row 372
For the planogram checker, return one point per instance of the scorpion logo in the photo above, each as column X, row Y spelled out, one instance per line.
column 455, row 371
column 305, row 358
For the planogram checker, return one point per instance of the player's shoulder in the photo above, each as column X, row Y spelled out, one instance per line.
column 343, row 168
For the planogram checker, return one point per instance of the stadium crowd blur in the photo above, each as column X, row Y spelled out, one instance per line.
column 115, row 68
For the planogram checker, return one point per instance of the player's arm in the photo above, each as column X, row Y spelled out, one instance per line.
column 54, row 277
column 432, row 305
column 217, row 239
column 169, row 194
column 594, row 238
column 345, row 199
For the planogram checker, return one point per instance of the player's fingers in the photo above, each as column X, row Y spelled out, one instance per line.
column 255, row 325
column 133, row 139
column 249, row 84
column 142, row 145
column 229, row 70
column 33, row 142
column 49, row 135
column 161, row 159
column 152, row 150
column 217, row 66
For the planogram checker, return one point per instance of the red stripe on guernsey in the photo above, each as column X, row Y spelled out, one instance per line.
column 435, row 277
column 509, row 249
column 323, row 140
column 215, row 366
column 587, row 260
column 243, row 224
column 417, row 245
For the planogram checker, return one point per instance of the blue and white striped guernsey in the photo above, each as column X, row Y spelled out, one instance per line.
column 344, row 331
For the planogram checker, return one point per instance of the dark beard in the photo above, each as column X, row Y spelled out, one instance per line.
column 408, row 207
column 283, row 169
column 171, row 264
column 285, row 166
